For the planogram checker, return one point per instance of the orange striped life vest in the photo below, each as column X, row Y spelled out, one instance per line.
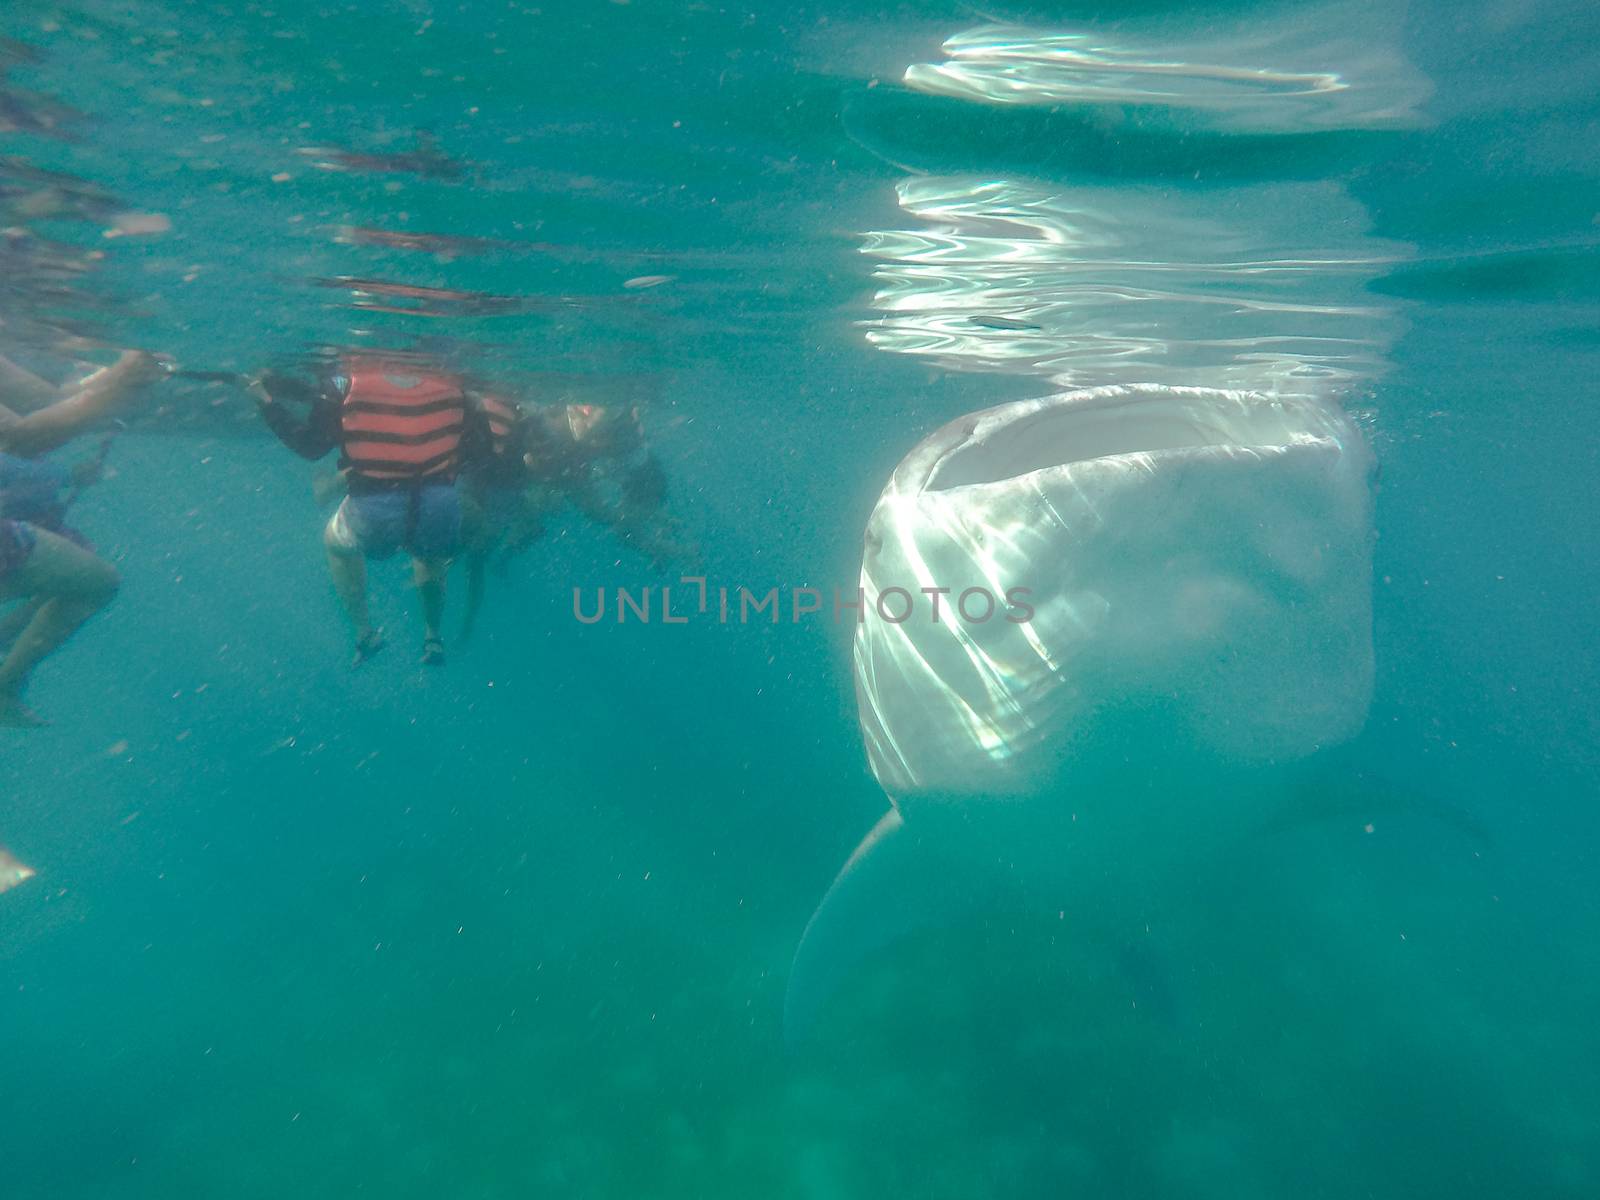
column 392, row 431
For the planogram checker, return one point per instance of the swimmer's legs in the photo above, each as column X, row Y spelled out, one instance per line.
column 69, row 585
column 15, row 621
column 348, row 568
column 429, row 575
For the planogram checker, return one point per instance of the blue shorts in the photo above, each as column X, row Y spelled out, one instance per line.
column 425, row 520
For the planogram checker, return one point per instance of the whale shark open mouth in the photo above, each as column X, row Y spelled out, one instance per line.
column 1121, row 421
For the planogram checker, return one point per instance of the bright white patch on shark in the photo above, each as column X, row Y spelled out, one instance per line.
column 1208, row 552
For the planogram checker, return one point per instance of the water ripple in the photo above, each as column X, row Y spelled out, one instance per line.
column 1256, row 77
column 1264, row 287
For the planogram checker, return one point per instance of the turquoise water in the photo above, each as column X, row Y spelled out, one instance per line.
column 522, row 926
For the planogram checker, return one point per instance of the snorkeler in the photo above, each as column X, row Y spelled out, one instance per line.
column 44, row 563
column 595, row 456
column 401, row 431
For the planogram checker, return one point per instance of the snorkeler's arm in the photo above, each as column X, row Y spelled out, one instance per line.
column 310, row 436
column 20, row 382
column 95, row 397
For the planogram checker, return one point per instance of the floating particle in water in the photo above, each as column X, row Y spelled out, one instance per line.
column 647, row 281
column 134, row 224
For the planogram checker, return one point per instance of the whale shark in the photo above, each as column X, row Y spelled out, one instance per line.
column 1102, row 633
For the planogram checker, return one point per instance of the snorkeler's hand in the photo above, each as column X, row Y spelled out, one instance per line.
column 139, row 366
column 256, row 385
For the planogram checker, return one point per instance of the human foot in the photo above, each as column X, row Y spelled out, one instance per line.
column 368, row 644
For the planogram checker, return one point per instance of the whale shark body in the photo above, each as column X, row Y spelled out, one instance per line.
column 1181, row 582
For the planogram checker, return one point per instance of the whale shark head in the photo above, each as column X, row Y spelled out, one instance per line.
column 1145, row 595
column 1187, row 560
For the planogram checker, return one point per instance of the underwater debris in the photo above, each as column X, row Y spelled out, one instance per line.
column 425, row 161
column 136, row 224
column 445, row 244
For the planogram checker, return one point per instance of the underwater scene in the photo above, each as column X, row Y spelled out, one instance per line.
column 816, row 601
